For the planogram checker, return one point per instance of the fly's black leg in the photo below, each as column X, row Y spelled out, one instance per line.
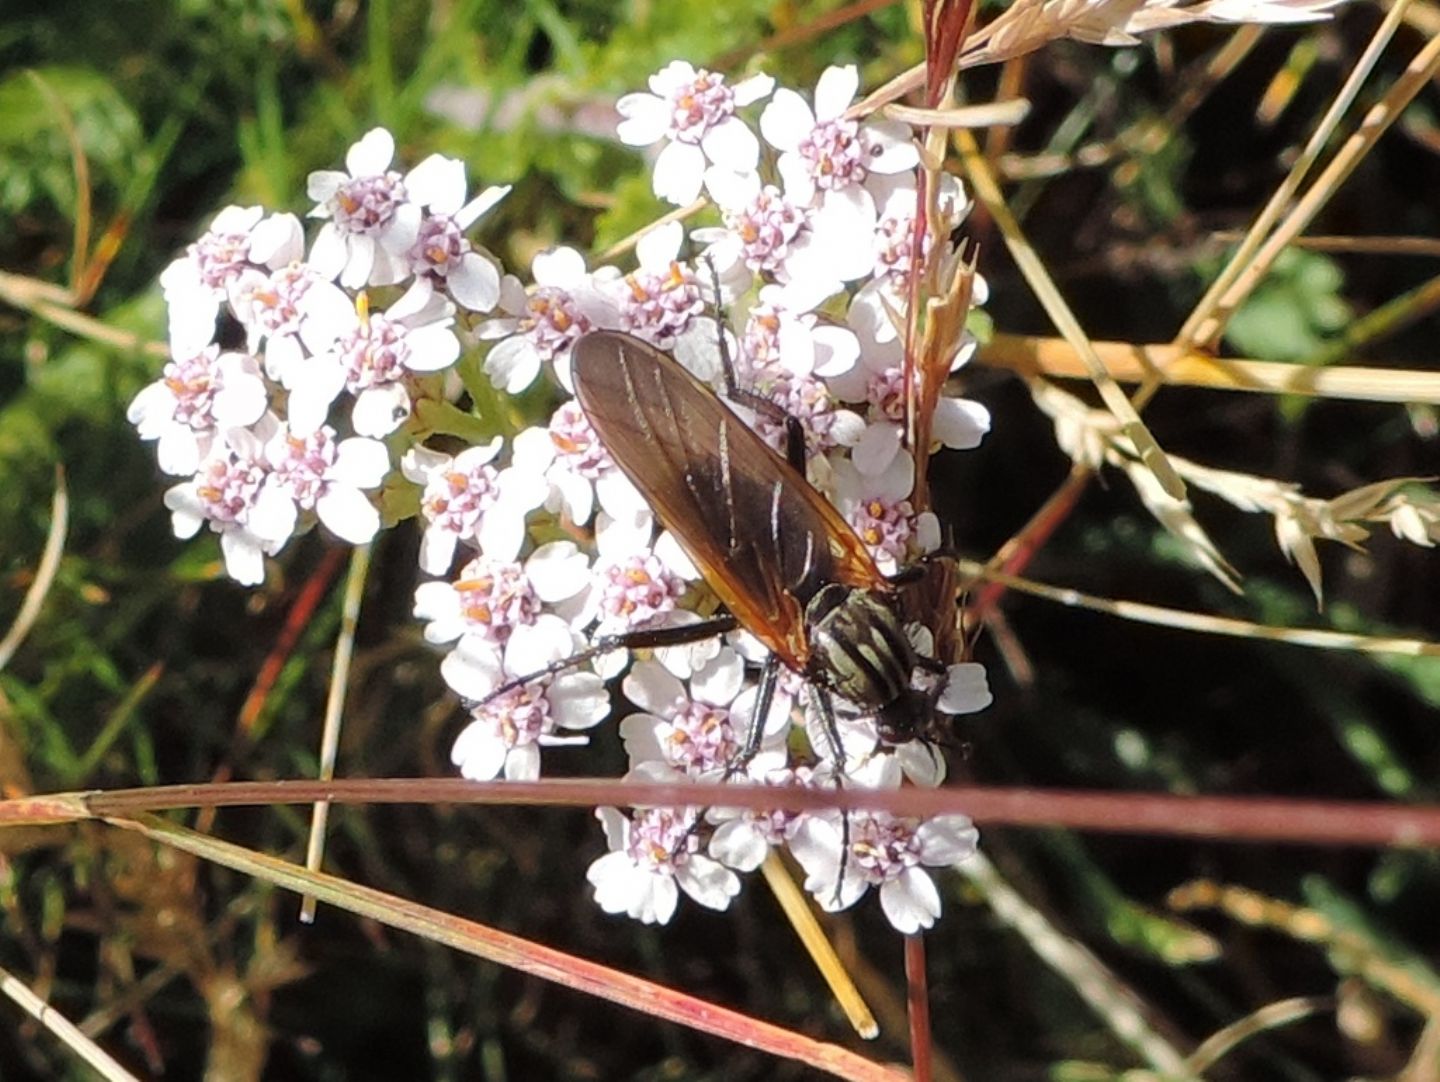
column 640, row 639
column 764, row 699
column 832, row 733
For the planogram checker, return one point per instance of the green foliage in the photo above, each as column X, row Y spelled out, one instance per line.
column 37, row 165
column 1294, row 311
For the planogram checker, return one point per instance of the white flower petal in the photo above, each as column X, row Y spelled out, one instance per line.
column 960, row 423
column 437, row 550
column 372, row 154
column 479, row 752
column 708, row 881
column 244, row 558
column 787, row 120
column 738, row 845
column 910, row 901
column 380, row 410
column 646, row 119
column 946, row 840
column 513, row 364
column 966, row 689
column 749, row 91
column 560, row 267
column 578, row 700
column 475, row 283
column 348, row 514
column 472, row 669
column 835, row 91
column 360, row 462
column 432, row 348
column 877, row 448
column 732, row 144
column 678, row 173
column 558, row 571
column 438, row 183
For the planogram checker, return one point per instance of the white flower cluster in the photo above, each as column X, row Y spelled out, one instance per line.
column 247, row 420
column 817, row 210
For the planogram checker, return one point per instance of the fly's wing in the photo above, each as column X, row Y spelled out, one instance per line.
column 761, row 535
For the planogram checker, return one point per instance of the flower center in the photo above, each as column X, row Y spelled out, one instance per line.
column 575, row 443
column 496, row 598
column 366, row 205
column 374, row 354
column 456, row 501
column 552, row 322
column 699, row 106
column 835, row 154
column 637, row 589
column 660, row 306
column 440, row 246
column 305, row 463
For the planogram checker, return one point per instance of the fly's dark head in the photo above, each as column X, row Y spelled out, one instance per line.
column 910, row 716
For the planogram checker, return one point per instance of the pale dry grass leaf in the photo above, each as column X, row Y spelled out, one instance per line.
column 85, row 1049
column 1093, row 438
column 1175, row 366
column 1203, row 623
column 1167, row 14
column 1030, row 24
column 987, row 191
column 1404, row 503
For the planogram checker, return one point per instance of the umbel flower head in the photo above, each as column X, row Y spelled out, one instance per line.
column 536, row 547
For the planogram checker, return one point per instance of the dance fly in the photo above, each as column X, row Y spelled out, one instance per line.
column 778, row 555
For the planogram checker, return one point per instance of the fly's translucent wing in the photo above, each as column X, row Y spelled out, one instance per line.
column 762, row 536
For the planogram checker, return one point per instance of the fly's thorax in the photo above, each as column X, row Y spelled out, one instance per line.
column 858, row 648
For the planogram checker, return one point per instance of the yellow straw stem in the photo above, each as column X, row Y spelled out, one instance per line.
column 797, row 910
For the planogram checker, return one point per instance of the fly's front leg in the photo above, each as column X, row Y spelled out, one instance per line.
column 640, row 639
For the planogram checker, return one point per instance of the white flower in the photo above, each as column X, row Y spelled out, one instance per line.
column 506, row 733
column 373, row 224
column 884, row 851
column 233, row 491
column 635, row 591
column 441, row 253
column 495, row 608
column 744, row 837
column 664, row 302
column 194, row 398
column 651, row 855
column 890, row 250
column 575, row 465
column 695, row 110
column 294, row 311
column 794, row 342
column 762, row 227
column 468, row 499
column 966, row 689
column 878, row 379
column 329, row 477
column 195, row 285
column 373, row 357
column 878, row 506
column 543, row 326
column 821, row 150
column 700, row 731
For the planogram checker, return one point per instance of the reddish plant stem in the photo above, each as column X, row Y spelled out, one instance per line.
column 1248, row 819
column 917, row 988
